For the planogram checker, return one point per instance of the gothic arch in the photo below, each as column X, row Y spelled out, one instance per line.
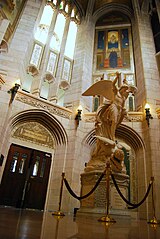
column 136, row 155
column 113, row 7
column 123, row 131
column 44, row 118
column 131, row 136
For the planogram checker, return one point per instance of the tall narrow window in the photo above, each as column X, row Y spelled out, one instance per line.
column 66, row 8
column 45, row 22
column 41, row 37
column 67, row 67
column 58, row 33
column 36, row 55
column 36, row 166
column 71, row 39
column 50, row 39
column 61, row 5
column 14, row 162
column 22, row 163
column 72, row 13
column 52, row 63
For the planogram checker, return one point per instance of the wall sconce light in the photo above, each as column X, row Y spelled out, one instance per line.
column 78, row 115
column 148, row 114
column 13, row 91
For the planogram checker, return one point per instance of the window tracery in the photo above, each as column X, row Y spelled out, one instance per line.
column 48, row 39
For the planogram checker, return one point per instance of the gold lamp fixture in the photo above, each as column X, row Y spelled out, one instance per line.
column 78, row 115
column 13, row 91
column 148, row 114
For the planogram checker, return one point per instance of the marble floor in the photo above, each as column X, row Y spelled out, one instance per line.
column 29, row 224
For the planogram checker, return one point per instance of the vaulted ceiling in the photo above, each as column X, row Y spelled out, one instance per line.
column 100, row 3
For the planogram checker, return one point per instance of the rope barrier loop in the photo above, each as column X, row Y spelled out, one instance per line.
column 133, row 206
column 89, row 193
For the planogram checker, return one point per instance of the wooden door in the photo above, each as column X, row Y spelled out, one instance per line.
column 13, row 181
column 38, row 180
column 25, row 178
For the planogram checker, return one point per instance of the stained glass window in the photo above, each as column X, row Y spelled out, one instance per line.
column 36, row 55
column 52, row 62
column 61, row 5
column 101, row 40
column 66, row 70
column 113, row 49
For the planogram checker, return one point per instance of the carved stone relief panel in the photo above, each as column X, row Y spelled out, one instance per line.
column 33, row 132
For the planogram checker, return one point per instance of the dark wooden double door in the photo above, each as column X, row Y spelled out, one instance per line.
column 25, row 179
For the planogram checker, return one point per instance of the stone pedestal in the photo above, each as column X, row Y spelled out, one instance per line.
column 96, row 202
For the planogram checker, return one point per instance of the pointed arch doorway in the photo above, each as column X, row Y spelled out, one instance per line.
column 25, row 178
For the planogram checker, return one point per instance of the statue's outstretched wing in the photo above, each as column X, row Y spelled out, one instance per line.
column 102, row 87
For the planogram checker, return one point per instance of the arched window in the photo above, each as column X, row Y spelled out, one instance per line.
column 41, row 35
column 48, row 39
column 68, row 56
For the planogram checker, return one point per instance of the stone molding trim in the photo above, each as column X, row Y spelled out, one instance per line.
column 89, row 117
column 158, row 112
column 43, row 117
column 42, row 104
column 133, row 117
column 2, row 81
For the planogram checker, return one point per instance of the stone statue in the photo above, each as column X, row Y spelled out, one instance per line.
column 109, row 116
column 112, row 112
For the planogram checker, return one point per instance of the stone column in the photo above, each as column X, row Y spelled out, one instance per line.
column 147, row 77
column 83, row 61
column 82, row 69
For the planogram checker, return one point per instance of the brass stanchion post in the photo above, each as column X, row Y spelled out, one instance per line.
column 107, row 217
column 154, row 219
column 59, row 213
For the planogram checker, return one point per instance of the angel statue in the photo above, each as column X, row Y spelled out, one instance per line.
column 108, row 117
column 111, row 113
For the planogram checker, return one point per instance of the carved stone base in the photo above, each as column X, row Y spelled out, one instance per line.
column 96, row 202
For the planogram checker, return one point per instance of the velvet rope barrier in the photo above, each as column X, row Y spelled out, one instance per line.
column 133, row 206
column 85, row 196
